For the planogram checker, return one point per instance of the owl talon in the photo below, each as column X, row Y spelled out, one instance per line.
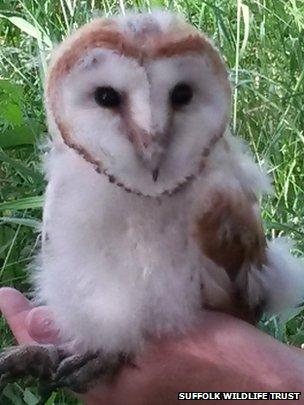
column 72, row 363
column 39, row 361
column 56, row 370
column 80, row 372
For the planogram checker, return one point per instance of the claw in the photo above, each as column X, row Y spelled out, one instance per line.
column 39, row 361
column 79, row 373
column 56, row 369
column 72, row 363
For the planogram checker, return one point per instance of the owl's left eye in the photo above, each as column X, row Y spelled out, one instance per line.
column 107, row 97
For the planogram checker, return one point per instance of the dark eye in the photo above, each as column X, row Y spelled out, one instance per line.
column 107, row 97
column 181, row 95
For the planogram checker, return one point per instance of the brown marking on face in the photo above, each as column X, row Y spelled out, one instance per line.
column 104, row 34
column 145, row 48
column 131, row 126
column 101, row 38
column 139, row 137
column 191, row 44
column 175, row 47
column 78, row 148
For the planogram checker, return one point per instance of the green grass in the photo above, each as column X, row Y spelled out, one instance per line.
column 262, row 41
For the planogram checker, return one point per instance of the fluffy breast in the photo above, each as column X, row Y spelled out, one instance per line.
column 118, row 265
column 123, row 266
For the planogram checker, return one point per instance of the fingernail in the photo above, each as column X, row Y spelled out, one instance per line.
column 41, row 326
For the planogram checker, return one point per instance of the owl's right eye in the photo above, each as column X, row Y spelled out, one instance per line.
column 181, row 95
column 107, row 97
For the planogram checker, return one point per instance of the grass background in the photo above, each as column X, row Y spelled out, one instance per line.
column 263, row 44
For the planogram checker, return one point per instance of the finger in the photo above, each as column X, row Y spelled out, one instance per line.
column 15, row 308
column 41, row 326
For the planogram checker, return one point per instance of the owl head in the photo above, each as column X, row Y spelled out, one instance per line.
column 143, row 98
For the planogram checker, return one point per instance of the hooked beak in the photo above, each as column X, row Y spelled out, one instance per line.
column 150, row 150
column 155, row 174
column 151, row 158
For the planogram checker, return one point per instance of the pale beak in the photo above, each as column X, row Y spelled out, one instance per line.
column 150, row 150
column 151, row 154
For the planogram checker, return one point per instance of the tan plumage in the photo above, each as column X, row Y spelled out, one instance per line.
column 232, row 236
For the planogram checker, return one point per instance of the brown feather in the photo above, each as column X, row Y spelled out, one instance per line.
column 231, row 235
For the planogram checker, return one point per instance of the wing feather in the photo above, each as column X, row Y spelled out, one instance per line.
column 231, row 236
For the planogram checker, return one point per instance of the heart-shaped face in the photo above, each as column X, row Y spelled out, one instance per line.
column 144, row 98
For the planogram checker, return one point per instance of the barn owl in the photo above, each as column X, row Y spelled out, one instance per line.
column 151, row 211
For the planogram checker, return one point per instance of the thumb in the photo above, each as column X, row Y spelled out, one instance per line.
column 41, row 326
column 15, row 308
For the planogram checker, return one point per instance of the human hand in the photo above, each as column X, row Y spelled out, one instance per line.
column 221, row 354
column 29, row 325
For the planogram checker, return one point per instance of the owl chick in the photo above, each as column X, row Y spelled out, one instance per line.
column 151, row 211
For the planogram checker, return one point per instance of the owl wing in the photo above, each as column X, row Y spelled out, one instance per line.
column 231, row 237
